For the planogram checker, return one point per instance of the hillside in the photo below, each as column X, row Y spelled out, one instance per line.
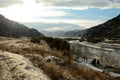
column 109, row 29
column 11, row 28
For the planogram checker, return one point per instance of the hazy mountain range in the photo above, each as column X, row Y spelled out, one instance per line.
column 53, row 34
column 109, row 29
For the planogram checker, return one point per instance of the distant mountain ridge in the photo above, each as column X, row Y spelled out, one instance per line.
column 11, row 28
column 109, row 29
column 74, row 33
column 53, row 34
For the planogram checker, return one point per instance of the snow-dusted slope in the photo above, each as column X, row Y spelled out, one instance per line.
column 16, row 67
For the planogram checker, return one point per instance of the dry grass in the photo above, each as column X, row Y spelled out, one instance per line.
column 5, row 38
column 57, row 72
column 68, row 71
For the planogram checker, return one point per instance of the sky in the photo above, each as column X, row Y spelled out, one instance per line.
column 60, row 15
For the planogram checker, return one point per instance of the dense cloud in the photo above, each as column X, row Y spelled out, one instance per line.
column 79, row 4
column 82, row 3
column 4, row 3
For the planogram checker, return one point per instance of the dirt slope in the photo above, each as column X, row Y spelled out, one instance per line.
column 16, row 67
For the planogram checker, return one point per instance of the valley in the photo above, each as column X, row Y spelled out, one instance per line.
column 59, row 43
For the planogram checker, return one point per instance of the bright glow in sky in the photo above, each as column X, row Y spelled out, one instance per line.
column 53, row 15
column 28, row 12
